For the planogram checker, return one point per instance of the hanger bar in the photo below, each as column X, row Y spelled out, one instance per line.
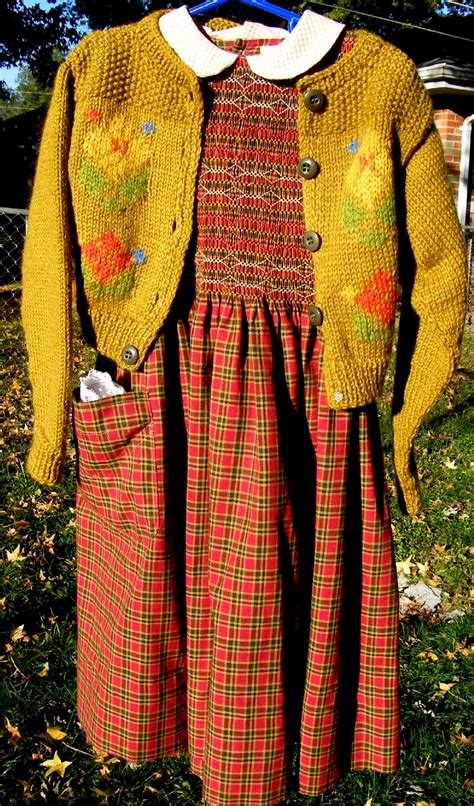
column 263, row 5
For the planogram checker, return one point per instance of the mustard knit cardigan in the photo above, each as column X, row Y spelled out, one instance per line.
column 115, row 184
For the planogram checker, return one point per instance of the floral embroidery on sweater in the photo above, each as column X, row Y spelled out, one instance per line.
column 367, row 210
column 109, row 267
column 115, row 159
column 374, row 306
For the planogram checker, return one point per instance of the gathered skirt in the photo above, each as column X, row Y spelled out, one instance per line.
column 237, row 589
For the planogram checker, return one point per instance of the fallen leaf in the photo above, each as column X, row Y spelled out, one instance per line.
column 428, row 654
column 56, row 733
column 405, row 565
column 15, row 734
column 44, row 671
column 18, row 633
column 451, row 465
column 15, row 556
column 446, row 686
column 423, row 568
column 55, row 765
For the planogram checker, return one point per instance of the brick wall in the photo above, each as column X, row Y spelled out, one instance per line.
column 449, row 117
column 448, row 123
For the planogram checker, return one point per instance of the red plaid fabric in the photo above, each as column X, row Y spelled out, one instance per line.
column 237, row 589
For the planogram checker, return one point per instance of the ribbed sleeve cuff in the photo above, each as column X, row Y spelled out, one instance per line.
column 44, row 464
column 408, row 487
column 352, row 384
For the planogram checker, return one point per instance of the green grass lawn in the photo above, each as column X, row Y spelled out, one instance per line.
column 37, row 611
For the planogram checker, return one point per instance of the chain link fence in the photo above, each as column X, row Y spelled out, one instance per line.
column 13, row 223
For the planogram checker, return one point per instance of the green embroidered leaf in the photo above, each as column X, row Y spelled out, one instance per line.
column 92, row 180
column 386, row 211
column 353, row 216
column 117, row 288
column 134, row 188
column 374, row 237
column 112, row 205
column 367, row 327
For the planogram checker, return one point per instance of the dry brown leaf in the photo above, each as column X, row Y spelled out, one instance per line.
column 44, row 671
column 18, row 633
column 15, row 734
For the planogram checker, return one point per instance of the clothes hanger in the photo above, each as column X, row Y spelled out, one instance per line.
column 263, row 5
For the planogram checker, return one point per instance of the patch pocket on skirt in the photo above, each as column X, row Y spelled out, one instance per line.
column 116, row 464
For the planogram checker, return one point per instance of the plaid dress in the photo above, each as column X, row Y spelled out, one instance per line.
column 237, row 590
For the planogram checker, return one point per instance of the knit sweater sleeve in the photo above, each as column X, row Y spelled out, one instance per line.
column 46, row 289
column 434, row 284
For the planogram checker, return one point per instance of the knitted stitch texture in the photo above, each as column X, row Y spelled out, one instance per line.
column 117, row 170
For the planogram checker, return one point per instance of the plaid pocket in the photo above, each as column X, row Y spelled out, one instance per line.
column 116, row 464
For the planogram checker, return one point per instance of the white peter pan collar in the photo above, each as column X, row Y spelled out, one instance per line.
column 309, row 41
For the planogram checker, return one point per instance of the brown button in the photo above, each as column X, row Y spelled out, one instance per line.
column 315, row 100
column 315, row 314
column 130, row 354
column 312, row 241
column 308, row 168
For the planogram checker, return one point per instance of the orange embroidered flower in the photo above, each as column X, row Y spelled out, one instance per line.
column 93, row 116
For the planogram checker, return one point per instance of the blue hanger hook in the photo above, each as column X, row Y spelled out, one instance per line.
column 263, row 5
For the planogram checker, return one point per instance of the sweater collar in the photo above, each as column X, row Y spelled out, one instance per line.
column 303, row 48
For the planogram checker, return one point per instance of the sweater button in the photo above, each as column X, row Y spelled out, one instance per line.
column 308, row 168
column 315, row 100
column 130, row 354
column 312, row 241
column 315, row 314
